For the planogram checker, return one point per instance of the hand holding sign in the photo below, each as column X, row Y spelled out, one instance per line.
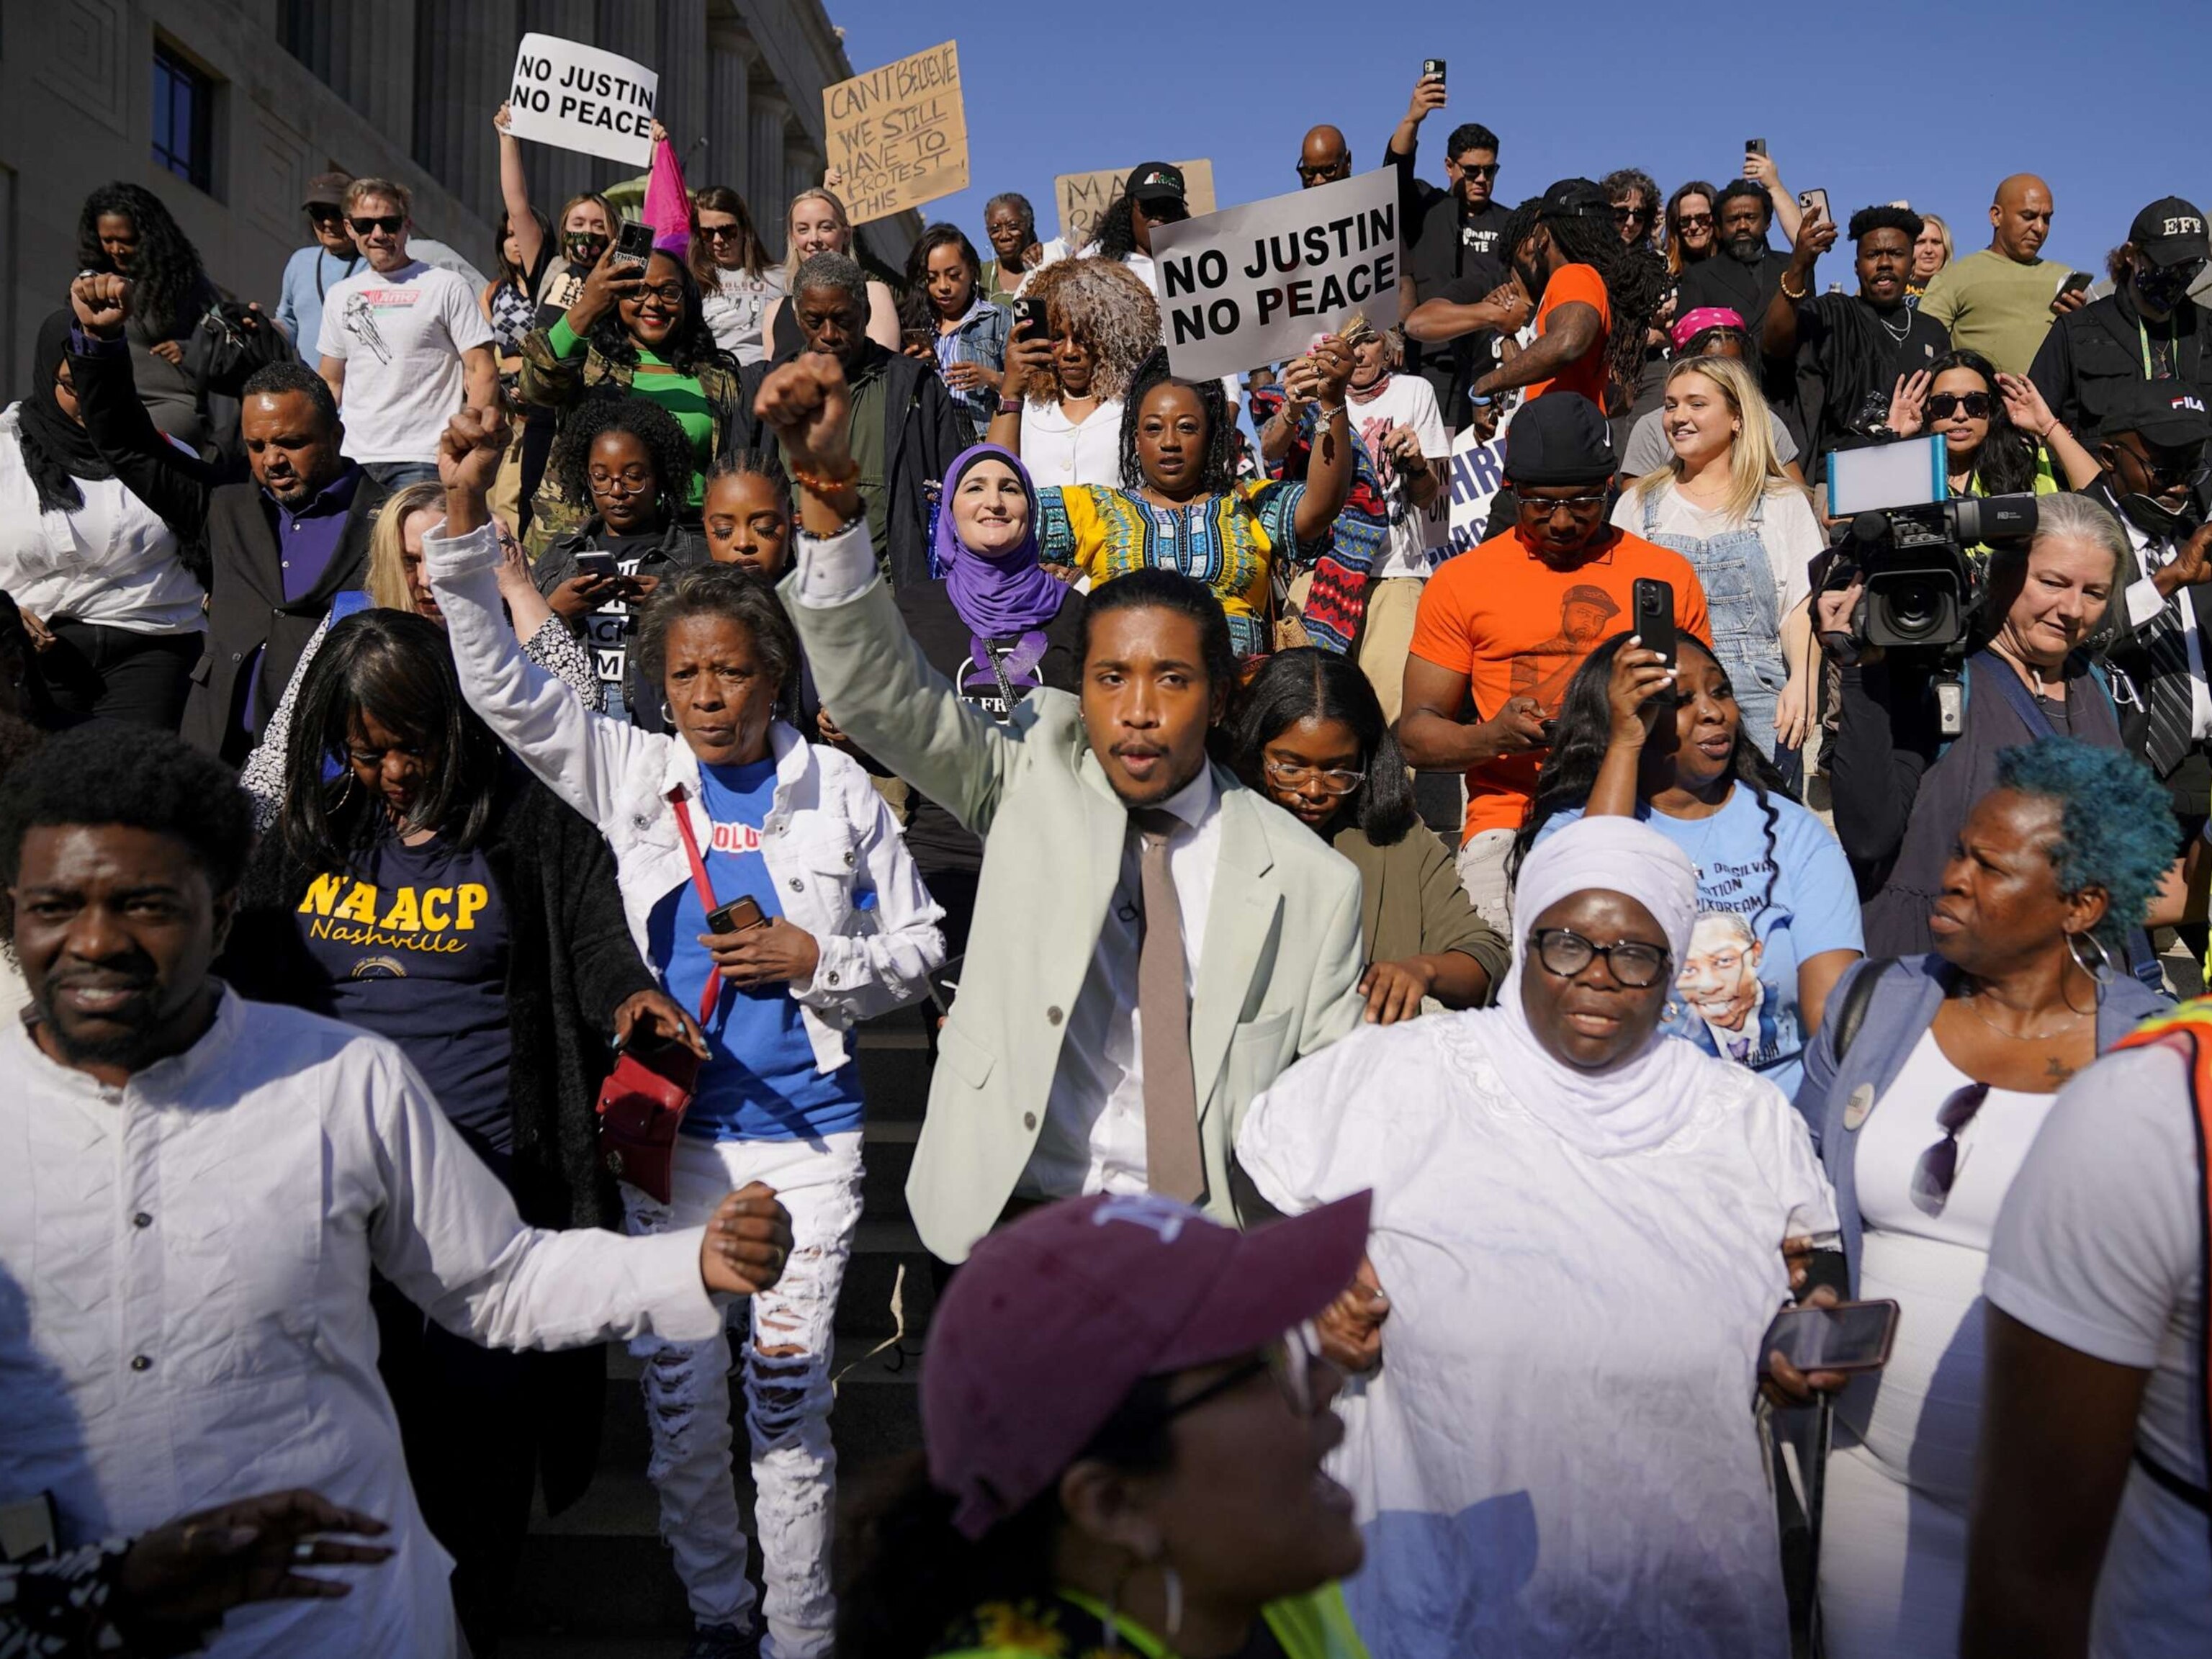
column 577, row 97
column 899, row 134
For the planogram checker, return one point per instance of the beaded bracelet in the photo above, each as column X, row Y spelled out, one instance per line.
column 824, row 487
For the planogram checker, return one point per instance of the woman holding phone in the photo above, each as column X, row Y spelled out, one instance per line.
column 818, row 920
column 1060, row 403
column 1923, row 1098
column 965, row 332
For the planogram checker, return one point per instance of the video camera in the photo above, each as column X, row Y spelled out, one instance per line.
column 1908, row 543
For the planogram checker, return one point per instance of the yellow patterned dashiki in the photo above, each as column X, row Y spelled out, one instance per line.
column 1229, row 542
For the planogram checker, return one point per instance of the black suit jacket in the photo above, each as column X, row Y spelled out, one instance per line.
column 2189, row 784
column 922, row 435
column 247, row 612
column 2091, row 356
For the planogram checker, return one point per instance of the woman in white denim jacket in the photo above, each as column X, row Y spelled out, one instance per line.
column 850, row 932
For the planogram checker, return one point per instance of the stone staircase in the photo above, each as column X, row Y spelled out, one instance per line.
column 596, row 1581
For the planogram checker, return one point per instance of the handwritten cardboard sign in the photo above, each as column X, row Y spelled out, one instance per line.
column 899, row 134
column 1083, row 197
column 577, row 97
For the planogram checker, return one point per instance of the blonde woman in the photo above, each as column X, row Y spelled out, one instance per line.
column 816, row 224
column 394, row 582
column 1931, row 252
column 1724, row 503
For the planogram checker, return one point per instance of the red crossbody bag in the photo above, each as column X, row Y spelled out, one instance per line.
column 643, row 1102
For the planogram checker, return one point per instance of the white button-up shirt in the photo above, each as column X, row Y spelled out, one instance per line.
column 183, row 1295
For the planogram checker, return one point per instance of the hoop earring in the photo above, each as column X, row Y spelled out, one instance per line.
column 2103, row 970
column 1113, row 1608
column 1173, row 1585
column 667, row 714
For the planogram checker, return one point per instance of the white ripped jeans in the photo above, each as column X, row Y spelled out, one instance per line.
column 787, row 1395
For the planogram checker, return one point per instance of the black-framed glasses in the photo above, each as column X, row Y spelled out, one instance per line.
column 1627, row 212
column 389, row 223
column 1479, row 169
column 1290, row 1359
column 1696, row 221
column 1938, row 1169
column 326, row 216
column 1565, row 953
column 1944, row 405
column 2170, row 466
column 669, row 294
column 1292, row 774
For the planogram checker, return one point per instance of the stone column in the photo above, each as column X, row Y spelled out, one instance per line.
column 631, row 28
column 768, row 191
column 555, row 173
column 461, row 68
column 371, row 59
column 729, row 108
column 682, row 63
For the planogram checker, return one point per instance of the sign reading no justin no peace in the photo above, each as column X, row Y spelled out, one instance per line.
column 577, row 97
column 899, row 134
column 1253, row 285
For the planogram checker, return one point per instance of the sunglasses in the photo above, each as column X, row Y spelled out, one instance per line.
column 1565, row 953
column 1326, row 169
column 718, row 233
column 326, row 215
column 1938, row 1169
column 1944, row 405
column 389, row 224
column 1291, row 1360
column 1696, row 221
column 1480, row 169
column 1628, row 212
column 2169, row 466
column 1577, row 505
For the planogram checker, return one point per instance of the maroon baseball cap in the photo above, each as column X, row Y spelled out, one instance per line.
column 1055, row 1319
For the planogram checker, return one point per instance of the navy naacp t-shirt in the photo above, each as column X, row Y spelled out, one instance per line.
column 413, row 941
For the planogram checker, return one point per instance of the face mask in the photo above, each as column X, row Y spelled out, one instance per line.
column 583, row 247
column 2155, row 519
column 2162, row 290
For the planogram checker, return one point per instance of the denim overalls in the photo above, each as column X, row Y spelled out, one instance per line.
column 1738, row 578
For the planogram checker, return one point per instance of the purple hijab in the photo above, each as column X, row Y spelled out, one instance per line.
column 1002, row 597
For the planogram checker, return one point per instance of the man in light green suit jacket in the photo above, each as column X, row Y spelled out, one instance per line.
column 1034, row 1096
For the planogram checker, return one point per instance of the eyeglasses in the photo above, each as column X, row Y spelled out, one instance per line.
column 1325, row 170
column 1696, row 221
column 1938, row 1168
column 1628, row 212
column 630, row 481
column 1290, row 1360
column 1565, row 953
column 1292, row 776
column 1479, row 169
column 718, row 233
column 669, row 294
column 1576, row 505
column 388, row 223
column 2171, row 467
column 326, row 215
column 1944, row 405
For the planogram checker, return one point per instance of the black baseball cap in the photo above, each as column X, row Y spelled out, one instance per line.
column 1156, row 181
column 1574, row 198
column 1559, row 438
column 2164, row 412
column 2170, row 231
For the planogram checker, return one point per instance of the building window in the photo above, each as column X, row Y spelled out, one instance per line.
column 184, row 119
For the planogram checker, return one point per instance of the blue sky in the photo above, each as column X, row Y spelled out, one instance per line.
column 1933, row 103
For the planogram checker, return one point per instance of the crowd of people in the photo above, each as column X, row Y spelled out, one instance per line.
column 1407, row 1032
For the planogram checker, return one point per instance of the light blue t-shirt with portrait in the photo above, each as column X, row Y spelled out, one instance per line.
column 1762, row 911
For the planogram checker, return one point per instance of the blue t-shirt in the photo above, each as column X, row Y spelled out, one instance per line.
column 1759, row 915
column 760, row 1081
column 414, row 941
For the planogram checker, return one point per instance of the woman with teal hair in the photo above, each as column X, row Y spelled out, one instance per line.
column 1929, row 1080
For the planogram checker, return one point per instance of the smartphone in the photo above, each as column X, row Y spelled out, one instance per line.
column 1432, row 69
column 632, row 243
column 1029, row 318
column 597, row 564
column 737, row 916
column 1814, row 203
column 1851, row 1336
column 1654, row 622
column 2075, row 281
column 1755, row 146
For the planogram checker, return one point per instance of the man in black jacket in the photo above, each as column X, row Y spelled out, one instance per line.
column 903, row 432
column 2148, row 329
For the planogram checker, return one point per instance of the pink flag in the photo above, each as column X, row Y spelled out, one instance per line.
column 667, row 202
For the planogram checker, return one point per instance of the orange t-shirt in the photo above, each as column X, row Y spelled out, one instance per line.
column 1515, row 627
column 1572, row 284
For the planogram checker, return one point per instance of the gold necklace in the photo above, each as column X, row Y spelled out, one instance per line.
column 2017, row 1037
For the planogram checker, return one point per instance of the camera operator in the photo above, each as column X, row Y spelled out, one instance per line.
column 2152, row 448
column 1902, row 787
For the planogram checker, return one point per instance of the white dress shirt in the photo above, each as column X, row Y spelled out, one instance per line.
column 183, row 1295
column 2145, row 601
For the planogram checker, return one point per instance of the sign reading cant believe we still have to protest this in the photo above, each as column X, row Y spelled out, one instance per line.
column 1255, row 284
column 899, row 134
column 577, row 97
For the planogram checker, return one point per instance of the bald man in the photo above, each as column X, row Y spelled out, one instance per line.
column 2000, row 301
column 1324, row 158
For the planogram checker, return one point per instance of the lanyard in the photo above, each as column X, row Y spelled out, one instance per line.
column 711, row 992
column 319, row 257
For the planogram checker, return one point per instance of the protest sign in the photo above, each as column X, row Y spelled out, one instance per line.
column 899, row 134
column 1477, row 469
column 1083, row 197
column 577, row 97
column 1254, row 285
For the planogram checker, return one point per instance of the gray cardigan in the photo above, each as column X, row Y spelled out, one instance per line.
column 1900, row 1006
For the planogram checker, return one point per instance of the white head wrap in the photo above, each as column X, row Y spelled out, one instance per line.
column 1644, row 1098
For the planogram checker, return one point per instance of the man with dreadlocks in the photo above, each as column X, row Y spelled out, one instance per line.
column 1863, row 347
column 1595, row 297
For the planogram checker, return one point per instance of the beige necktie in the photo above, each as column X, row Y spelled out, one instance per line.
column 1173, row 1167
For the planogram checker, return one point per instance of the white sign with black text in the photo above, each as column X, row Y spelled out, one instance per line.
column 577, row 97
column 1477, row 473
column 1255, row 284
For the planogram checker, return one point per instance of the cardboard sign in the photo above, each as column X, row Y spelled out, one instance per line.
column 899, row 133
column 1255, row 285
column 577, row 97
column 1477, row 469
column 1083, row 198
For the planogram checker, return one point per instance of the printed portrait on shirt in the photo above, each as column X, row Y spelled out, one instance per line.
column 1726, row 1008
column 1543, row 670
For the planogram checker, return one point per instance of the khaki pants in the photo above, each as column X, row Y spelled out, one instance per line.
column 1385, row 637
